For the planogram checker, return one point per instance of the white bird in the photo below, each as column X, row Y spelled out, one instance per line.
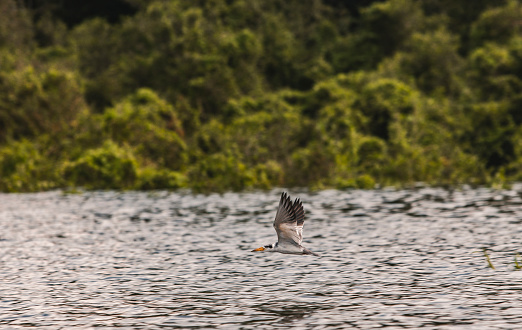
column 288, row 224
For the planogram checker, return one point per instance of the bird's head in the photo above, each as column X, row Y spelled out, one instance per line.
column 267, row 248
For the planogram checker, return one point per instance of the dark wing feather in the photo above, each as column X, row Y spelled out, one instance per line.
column 285, row 211
column 289, row 220
column 299, row 212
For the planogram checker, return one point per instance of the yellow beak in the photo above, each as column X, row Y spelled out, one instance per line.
column 259, row 249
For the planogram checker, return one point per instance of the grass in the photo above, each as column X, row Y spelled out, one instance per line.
column 490, row 265
column 487, row 258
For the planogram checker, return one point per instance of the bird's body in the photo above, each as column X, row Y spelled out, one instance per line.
column 288, row 224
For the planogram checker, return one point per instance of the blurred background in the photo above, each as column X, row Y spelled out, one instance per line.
column 237, row 94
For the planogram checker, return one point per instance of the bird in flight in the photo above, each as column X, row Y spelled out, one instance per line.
column 288, row 224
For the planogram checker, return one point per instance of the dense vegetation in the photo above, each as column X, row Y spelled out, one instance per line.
column 235, row 94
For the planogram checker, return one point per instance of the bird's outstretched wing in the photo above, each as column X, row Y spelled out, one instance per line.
column 289, row 221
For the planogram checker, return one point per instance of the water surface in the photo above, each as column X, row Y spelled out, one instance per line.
column 389, row 258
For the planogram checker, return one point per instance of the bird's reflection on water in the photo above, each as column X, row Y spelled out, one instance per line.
column 397, row 258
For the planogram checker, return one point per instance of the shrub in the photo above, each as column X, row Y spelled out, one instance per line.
column 493, row 72
column 106, row 167
column 382, row 101
column 220, row 172
column 33, row 103
column 24, row 168
column 151, row 126
column 497, row 24
column 150, row 178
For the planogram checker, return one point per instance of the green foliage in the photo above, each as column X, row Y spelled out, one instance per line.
column 495, row 146
column 33, row 103
column 380, row 101
column 106, row 167
column 150, row 178
column 24, row 168
column 94, row 48
column 218, row 172
column 16, row 27
column 263, row 131
column 371, row 152
column 206, row 53
column 459, row 14
column 225, row 171
column 150, row 125
column 493, row 70
column 272, row 132
column 237, row 94
column 385, row 28
column 497, row 24
column 431, row 59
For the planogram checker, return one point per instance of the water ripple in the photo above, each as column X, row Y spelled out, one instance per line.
column 390, row 258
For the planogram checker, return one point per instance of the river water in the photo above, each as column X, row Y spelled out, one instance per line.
column 389, row 258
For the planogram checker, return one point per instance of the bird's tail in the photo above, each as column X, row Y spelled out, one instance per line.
column 306, row 251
